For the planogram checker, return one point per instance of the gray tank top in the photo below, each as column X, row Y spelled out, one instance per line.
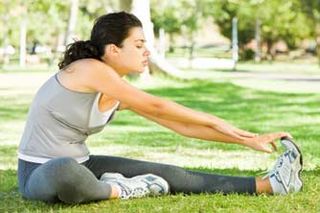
column 59, row 122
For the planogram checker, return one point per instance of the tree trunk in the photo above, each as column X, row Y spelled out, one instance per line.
column 5, row 55
column 23, row 37
column 257, row 55
column 269, row 52
column 141, row 9
column 72, row 22
column 171, row 48
column 318, row 42
column 235, row 47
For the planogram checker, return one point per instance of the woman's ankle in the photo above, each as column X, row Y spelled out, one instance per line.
column 263, row 186
column 115, row 192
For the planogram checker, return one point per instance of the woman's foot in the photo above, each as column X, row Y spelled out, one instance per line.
column 138, row 186
column 285, row 175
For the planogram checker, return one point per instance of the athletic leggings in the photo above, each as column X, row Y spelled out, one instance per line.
column 64, row 179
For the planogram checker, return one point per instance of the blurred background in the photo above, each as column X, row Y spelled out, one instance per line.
column 196, row 34
column 254, row 63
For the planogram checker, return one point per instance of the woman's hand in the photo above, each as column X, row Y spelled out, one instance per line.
column 243, row 133
column 229, row 130
column 265, row 142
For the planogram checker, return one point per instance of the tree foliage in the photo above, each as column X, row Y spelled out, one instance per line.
column 46, row 19
column 280, row 19
column 175, row 17
column 287, row 20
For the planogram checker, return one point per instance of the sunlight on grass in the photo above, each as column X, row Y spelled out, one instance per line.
column 134, row 137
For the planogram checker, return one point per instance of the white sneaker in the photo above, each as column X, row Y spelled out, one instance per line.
column 138, row 186
column 111, row 176
column 285, row 175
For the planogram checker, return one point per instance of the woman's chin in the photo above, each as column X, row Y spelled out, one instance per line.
column 135, row 72
column 139, row 71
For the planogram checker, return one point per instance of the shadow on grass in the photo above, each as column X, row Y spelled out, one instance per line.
column 11, row 200
column 228, row 100
column 9, row 177
column 256, row 111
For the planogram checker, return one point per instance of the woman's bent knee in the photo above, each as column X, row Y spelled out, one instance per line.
column 63, row 163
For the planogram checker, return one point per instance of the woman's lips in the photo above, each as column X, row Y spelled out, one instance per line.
column 145, row 63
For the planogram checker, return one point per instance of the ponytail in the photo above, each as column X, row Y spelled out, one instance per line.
column 79, row 50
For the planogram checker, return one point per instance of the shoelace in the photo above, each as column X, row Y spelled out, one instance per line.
column 278, row 164
column 281, row 179
column 127, row 192
column 285, row 170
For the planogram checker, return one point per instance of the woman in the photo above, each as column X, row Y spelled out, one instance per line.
column 79, row 100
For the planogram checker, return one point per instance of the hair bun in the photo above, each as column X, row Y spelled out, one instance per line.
column 88, row 47
column 79, row 50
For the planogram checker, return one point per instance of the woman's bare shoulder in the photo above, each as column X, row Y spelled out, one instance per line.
column 91, row 73
column 89, row 63
column 88, row 68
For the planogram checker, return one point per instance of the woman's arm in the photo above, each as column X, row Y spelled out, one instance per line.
column 100, row 77
column 259, row 143
column 241, row 132
column 191, row 130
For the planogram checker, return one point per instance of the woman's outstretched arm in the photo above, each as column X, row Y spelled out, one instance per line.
column 259, row 143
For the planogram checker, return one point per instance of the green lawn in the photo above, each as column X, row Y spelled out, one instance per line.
column 133, row 136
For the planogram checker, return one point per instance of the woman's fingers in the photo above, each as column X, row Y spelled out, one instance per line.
column 271, row 138
column 226, row 130
column 274, row 136
column 267, row 142
column 286, row 134
column 245, row 133
column 273, row 144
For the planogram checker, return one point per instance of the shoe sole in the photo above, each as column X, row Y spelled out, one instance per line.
column 301, row 160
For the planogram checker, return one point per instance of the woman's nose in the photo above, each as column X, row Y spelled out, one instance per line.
column 146, row 53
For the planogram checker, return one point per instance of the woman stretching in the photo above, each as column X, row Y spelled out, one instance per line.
column 80, row 99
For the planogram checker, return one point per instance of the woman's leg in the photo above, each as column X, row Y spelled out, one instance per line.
column 61, row 179
column 284, row 178
column 179, row 179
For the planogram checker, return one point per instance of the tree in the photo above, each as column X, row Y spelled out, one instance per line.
column 283, row 20
column 280, row 20
column 42, row 20
column 166, row 18
column 312, row 9
column 178, row 17
column 74, row 4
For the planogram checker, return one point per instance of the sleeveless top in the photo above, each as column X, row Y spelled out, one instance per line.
column 59, row 122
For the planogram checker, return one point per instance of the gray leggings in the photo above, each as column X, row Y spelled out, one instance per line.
column 63, row 179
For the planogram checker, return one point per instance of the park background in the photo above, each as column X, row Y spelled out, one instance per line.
column 254, row 63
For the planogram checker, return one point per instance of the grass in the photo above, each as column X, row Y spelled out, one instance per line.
column 133, row 136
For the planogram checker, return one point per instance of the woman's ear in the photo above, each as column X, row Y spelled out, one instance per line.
column 111, row 49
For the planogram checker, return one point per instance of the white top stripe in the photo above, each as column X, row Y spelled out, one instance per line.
column 44, row 160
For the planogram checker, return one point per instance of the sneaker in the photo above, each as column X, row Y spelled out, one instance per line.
column 285, row 175
column 138, row 186
column 111, row 176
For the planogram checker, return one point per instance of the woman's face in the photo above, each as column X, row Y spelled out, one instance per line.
column 133, row 55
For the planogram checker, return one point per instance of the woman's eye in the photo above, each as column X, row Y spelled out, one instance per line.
column 139, row 47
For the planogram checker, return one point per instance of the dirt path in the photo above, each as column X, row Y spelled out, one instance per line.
column 283, row 82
